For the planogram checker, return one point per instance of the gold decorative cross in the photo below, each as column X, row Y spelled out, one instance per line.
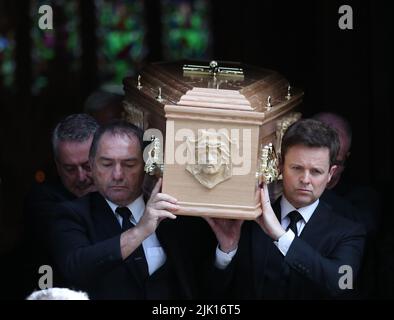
column 213, row 69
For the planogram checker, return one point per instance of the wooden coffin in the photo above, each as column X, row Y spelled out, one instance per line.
column 213, row 121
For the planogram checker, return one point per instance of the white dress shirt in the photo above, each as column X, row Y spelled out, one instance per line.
column 223, row 259
column 154, row 253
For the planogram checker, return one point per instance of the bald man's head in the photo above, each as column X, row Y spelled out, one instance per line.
column 344, row 131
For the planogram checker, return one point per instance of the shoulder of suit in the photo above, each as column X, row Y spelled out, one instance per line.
column 79, row 206
column 337, row 219
column 50, row 192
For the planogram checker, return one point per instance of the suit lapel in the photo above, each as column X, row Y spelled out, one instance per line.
column 314, row 229
column 263, row 249
column 107, row 226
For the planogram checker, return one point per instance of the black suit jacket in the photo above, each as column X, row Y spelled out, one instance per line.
column 38, row 208
column 86, row 247
column 360, row 204
column 48, row 192
column 310, row 269
column 39, row 203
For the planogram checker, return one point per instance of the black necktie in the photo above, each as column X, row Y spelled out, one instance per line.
column 294, row 216
column 126, row 214
column 138, row 254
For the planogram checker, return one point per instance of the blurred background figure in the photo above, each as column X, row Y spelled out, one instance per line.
column 344, row 131
column 104, row 106
column 356, row 201
column 360, row 203
column 58, row 294
column 71, row 140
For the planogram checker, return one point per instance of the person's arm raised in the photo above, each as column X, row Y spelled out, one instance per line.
column 159, row 207
column 227, row 232
column 268, row 220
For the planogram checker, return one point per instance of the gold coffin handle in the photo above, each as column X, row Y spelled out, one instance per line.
column 269, row 165
column 153, row 167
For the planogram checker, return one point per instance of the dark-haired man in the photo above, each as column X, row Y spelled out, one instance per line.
column 111, row 243
column 299, row 248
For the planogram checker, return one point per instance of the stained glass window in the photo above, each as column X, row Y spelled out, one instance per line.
column 7, row 59
column 186, row 29
column 121, row 39
column 7, row 46
column 61, row 43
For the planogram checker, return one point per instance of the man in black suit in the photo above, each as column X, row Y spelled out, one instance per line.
column 109, row 243
column 360, row 203
column 299, row 248
column 71, row 141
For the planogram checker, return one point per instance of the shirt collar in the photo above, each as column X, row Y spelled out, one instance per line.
column 306, row 212
column 137, row 207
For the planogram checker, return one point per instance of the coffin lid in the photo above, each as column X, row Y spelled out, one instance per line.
column 249, row 92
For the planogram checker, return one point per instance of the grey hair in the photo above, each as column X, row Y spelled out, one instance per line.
column 74, row 128
column 58, row 294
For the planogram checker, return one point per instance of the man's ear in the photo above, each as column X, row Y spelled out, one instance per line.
column 331, row 172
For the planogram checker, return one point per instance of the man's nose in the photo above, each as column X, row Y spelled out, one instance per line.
column 117, row 173
column 82, row 175
column 305, row 177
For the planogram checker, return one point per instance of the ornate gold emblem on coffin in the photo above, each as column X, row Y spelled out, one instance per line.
column 269, row 165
